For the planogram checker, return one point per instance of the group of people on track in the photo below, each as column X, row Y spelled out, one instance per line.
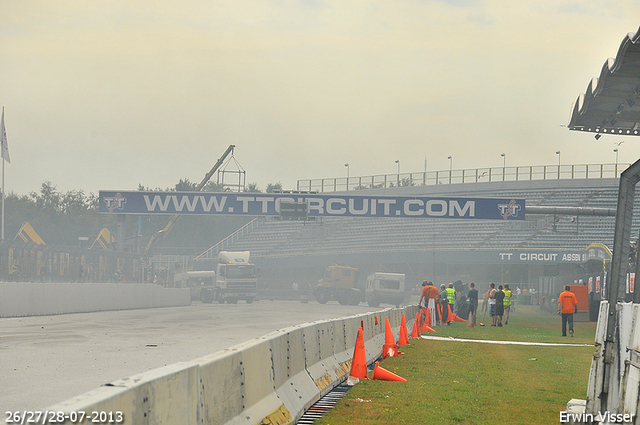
column 443, row 301
column 499, row 302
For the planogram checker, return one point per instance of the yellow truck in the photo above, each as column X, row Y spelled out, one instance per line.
column 339, row 283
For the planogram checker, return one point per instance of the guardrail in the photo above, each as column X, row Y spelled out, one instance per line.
column 272, row 379
column 226, row 242
column 476, row 175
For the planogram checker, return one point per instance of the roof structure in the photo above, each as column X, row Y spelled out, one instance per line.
column 610, row 104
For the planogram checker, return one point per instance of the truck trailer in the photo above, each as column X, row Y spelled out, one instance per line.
column 197, row 281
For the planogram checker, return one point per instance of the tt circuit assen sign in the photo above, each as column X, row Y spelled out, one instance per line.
column 550, row 256
column 258, row 204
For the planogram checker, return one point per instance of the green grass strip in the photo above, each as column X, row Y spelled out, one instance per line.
column 471, row 383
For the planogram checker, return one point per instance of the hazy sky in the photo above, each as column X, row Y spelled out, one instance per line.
column 111, row 94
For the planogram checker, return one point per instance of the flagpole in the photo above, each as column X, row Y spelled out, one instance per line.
column 2, row 233
column 3, row 131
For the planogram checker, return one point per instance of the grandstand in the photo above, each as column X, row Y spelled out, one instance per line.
column 441, row 249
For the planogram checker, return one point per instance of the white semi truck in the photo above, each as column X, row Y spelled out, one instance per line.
column 197, row 281
column 236, row 279
column 384, row 288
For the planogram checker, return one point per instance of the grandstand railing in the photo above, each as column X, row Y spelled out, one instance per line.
column 477, row 175
column 226, row 242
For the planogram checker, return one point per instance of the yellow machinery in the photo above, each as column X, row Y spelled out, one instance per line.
column 339, row 283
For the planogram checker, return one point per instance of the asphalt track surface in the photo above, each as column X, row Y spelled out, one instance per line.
column 48, row 359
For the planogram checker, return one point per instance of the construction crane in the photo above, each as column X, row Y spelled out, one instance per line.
column 161, row 234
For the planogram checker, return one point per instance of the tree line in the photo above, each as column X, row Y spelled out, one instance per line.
column 61, row 218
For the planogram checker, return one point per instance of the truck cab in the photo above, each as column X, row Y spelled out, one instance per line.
column 385, row 288
column 236, row 277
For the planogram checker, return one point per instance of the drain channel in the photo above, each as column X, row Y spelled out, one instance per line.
column 323, row 405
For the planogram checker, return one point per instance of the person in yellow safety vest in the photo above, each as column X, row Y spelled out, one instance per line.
column 451, row 296
column 444, row 301
column 507, row 303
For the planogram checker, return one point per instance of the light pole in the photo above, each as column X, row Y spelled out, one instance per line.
column 398, row 162
column 616, row 151
column 450, row 167
column 424, row 176
column 504, row 164
column 558, row 153
column 347, row 165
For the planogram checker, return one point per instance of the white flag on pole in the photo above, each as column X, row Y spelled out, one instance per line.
column 5, row 144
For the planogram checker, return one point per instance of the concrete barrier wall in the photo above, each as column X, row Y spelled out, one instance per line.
column 40, row 299
column 168, row 395
column 272, row 379
column 221, row 384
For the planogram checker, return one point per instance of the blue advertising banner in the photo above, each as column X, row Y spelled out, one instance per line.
column 261, row 204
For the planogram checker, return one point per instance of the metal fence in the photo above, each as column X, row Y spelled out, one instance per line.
column 213, row 252
column 476, row 175
column 24, row 262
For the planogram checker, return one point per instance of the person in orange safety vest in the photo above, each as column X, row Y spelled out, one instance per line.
column 567, row 306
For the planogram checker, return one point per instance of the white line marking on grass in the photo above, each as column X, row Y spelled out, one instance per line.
column 487, row 341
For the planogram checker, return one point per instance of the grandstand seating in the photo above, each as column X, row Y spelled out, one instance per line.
column 275, row 238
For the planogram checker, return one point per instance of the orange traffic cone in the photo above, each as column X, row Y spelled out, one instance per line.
column 404, row 333
column 359, row 362
column 376, row 320
column 426, row 325
column 427, row 316
column 426, row 328
column 390, row 348
column 415, row 331
column 384, row 375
